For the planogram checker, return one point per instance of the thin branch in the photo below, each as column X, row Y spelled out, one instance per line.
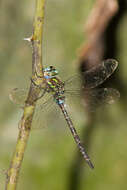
column 26, row 120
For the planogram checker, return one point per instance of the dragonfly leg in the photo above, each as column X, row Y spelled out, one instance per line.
column 44, row 90
column 32, row 80
column 76, row 137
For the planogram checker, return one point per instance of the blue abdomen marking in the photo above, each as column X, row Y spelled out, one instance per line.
column 60, row 101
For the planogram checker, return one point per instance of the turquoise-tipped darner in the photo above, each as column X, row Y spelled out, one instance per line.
column 58, row 91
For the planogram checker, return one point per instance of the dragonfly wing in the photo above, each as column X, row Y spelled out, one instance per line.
column 91, row 78
column 98, row 74
column 73, row 89
column 47, row 112
column 48, row 115
column 43, row 107
column 74, row 83
column 18, row 96
column 94, row 98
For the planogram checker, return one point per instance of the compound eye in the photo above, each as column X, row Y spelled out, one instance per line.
column 51, row 67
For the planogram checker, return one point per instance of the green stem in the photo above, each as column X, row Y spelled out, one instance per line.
column 26, row 120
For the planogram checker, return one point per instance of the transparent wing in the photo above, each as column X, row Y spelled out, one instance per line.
column 74, row 83
column 18, row 96
column 91, row 78
column 94, row 98
column 98, row 74
column 44, row 106
column 48, row 115
column 42, row 109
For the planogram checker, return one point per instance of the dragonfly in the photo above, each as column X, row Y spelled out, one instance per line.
column 59, row 90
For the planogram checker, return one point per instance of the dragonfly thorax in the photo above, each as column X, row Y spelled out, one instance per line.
column 55, row 85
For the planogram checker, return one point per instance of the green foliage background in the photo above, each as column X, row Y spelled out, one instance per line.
column 51, row 151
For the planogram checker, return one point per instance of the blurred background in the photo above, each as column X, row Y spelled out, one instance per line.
column 52, row 160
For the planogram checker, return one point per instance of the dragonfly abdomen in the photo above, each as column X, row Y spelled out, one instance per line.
column 75, row 135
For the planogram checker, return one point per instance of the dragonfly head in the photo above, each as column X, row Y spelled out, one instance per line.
column 50, row 72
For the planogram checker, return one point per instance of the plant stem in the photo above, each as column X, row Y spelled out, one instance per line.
column 26, row 120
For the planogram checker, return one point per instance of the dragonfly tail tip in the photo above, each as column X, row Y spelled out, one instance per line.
column 90, row 164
